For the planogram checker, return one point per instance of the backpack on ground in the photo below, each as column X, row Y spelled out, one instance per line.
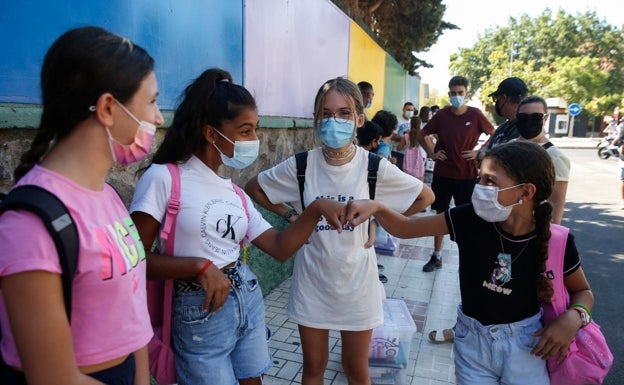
column 62, row 229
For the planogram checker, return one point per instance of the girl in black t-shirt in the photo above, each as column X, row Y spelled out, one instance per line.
column 502, row 239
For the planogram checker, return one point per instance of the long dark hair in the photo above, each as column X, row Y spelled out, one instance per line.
column 527, row 162
column 210, row 99
column 79, row 67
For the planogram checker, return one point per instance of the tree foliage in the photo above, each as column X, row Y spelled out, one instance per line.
column 403, row 26
column 578, row 57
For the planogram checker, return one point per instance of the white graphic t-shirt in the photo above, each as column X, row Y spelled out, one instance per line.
column 335, row 282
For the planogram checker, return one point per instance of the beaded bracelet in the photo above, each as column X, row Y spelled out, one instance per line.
column 203, row 269
column 581, row 306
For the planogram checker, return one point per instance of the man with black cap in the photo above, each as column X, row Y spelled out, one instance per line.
column 506, row 100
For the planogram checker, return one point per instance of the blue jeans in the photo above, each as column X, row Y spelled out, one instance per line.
column 497, row 354
column 225, row 346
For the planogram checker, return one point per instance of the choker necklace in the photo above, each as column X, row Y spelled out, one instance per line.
column 338, row 155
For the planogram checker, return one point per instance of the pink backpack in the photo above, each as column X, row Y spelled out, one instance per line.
column 589, row 358
column 160, row 293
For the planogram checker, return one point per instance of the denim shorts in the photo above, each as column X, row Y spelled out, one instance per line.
column 225, row 346
column 497, row 354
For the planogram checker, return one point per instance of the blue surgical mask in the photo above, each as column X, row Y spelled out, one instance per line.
column 457, row 101
column 337, row 133
column 369, row 104
column 245, row 152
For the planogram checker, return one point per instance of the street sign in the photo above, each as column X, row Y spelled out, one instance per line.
column 574, row 109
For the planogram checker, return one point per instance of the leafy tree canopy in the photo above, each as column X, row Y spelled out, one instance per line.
column 402, row 26
column 578, row 57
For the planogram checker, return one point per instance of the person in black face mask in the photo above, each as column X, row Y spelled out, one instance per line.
column 506, row 99
column 531, row 116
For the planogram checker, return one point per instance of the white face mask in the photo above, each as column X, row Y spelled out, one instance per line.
column 409, row 114
column 486, row 205
column 245, row 152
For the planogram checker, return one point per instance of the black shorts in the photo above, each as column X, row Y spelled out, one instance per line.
column 446, row 188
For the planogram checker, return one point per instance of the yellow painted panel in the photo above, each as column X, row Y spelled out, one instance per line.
column 367, row 62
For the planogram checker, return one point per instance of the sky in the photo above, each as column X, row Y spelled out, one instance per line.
column 475, row 16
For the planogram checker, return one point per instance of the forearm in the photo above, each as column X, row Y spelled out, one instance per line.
column 425, row 145
column 424, row 199
column 297, row 233
column 169, row 267
column 141, row 359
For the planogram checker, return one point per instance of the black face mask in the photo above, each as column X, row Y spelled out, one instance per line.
column 530, row 125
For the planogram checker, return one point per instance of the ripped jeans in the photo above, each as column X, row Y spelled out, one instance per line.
column 230, row 344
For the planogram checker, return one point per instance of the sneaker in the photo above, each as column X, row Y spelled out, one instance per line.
column 383, row 278
column 434, row 263
column 380, row 267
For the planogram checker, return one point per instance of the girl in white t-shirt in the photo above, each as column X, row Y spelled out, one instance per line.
column 335, row 282
column 99, row 107
column 219, row 334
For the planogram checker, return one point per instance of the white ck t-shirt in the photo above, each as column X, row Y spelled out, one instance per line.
column 211, row 221
column 335, row 282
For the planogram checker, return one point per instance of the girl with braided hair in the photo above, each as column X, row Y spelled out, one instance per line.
column 503, row 233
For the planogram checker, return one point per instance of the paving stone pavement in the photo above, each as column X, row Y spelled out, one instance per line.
column 431, row 298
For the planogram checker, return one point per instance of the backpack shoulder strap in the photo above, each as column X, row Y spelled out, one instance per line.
column 241, row 195
column 373, row 167
column 547, row 145
column 58, row 222
column 173, row 206
column 302, row 163
column 554, row 266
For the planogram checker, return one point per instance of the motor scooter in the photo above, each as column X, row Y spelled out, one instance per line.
column 606, row 149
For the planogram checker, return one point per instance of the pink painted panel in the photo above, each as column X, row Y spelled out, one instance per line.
column 291, row 48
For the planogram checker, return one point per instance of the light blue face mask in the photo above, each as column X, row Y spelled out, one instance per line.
column 337, row 133
column 457, row 101
column 245, row 152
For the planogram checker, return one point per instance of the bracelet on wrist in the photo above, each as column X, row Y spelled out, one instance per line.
column 584, row 316
column 203, row 269
column 288, row 214
column 581, row 306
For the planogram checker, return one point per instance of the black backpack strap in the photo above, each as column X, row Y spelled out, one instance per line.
column 59, row 224
column 373, row 166
column 547, row 145
column 302, row 162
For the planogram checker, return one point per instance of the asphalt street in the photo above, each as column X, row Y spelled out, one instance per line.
column 594, row 216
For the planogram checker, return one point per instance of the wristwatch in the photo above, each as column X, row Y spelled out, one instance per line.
column 289, row 214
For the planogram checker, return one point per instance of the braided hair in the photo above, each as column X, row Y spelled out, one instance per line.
column 528, row 162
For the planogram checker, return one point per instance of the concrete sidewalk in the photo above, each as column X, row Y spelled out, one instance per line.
column 576, row 143
column 432, row 300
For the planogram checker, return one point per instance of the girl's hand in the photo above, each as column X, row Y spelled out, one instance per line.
column 556, row 337
column 217, row 287
column 334, row 212
column 359, row 211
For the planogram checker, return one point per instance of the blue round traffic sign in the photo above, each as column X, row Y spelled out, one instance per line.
column 574, row 109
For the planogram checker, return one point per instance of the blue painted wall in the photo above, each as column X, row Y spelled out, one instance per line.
column 184, row 37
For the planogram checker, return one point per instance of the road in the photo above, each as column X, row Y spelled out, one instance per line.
column 594, row 216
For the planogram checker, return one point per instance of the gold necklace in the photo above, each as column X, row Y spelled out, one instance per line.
column 338, row 155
